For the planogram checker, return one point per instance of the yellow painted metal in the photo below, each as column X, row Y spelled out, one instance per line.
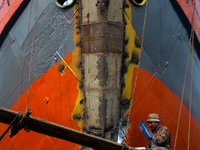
column 76, row 59
column 138, row 3
column 65, row 4
column 130, row 49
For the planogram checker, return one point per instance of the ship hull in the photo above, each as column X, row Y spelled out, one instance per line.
column 55, row 94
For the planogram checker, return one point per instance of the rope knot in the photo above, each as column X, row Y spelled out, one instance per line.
column 19, row 123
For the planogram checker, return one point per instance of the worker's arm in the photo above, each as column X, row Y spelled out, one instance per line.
column 163, row 137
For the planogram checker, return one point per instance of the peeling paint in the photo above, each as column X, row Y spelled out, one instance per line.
column 102, row 32
column 130, row 62
column 132, row 50
column 75, row 65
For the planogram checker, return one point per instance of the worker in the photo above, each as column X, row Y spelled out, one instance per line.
column 161, row 137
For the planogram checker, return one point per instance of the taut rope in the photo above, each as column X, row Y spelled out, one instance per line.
column 191, row 38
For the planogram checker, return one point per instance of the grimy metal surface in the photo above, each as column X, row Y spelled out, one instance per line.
column 53, row 28
column 102, row 31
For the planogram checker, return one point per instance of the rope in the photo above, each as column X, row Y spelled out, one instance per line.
column 191, row 35
column 190, row 96
column 182, row 98
column 138, row 67
column 189, row 126
column 24, row 56
column 31, row 55
column 127, row 140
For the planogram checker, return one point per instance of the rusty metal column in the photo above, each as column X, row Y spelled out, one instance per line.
column 102, row 32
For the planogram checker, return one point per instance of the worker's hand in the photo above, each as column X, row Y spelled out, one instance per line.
column 154, row 138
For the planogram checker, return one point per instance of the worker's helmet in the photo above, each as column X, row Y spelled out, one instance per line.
column 153, row 118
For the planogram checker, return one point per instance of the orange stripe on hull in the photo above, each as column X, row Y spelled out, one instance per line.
column 153, row 96
column 51, row 97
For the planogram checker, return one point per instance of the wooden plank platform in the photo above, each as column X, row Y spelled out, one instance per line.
column 62, row 132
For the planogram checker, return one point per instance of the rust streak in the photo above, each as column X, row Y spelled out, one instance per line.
column 104, row 22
